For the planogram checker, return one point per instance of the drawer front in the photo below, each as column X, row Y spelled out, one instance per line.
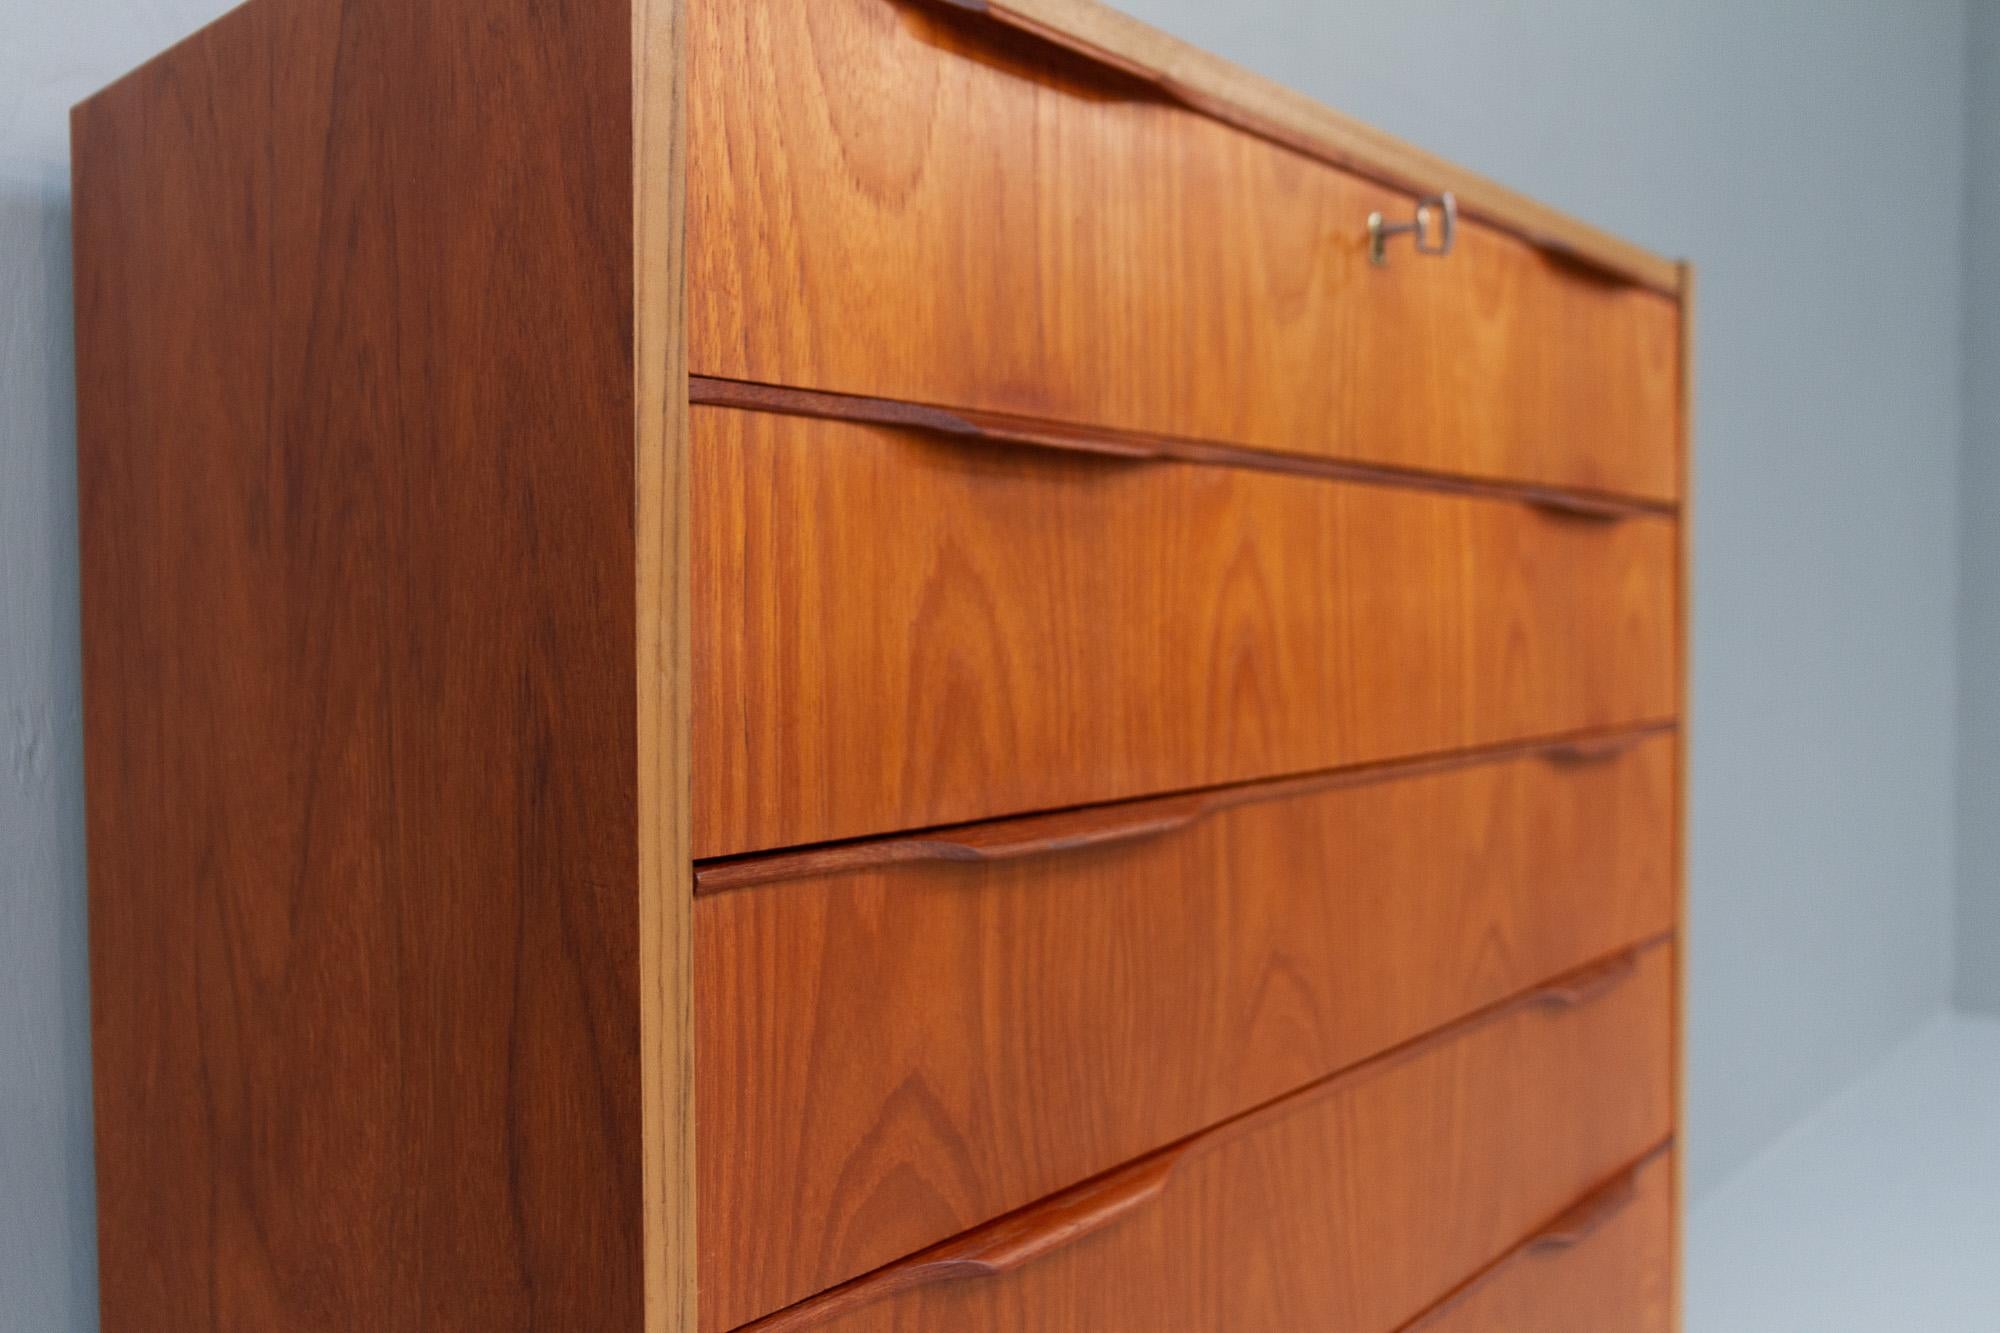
column 910, row 1049
column 1349, row 1207
column 894, row 631
column 1605, row 1266
column 887, row 199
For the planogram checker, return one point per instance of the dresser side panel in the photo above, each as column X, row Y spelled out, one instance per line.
column 354, row 319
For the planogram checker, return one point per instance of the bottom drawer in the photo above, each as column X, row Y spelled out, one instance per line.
column 1352, row 1205
column 1605, row 1266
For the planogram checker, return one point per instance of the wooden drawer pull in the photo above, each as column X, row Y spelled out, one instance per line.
column 1580, row 1223
column 1591, row 983
column 1570, row 505
column 1597, row 750
column 1010, row 840
column 1111, row 825
column 993, row 429
column 1589, row 1216
column 1097, row 827
column 1013, row 1242
column 999, row 1247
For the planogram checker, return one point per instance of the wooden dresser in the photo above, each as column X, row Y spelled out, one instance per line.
column 864, row 665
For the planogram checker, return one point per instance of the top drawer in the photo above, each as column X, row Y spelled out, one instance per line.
column 891, row 200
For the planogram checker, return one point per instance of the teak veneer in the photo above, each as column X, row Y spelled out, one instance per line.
column 1044, row 1003
column 841, row 664
column 1105, row 269
column 1378, row 1185
column 388, row 918
column 1047, row 629
column 1603, row 1265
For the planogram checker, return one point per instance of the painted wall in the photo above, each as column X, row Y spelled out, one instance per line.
column 1807, row 153
column 1979, row 605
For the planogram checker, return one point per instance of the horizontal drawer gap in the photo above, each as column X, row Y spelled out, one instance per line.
column 1012, row 1241
column 993, row 428
column 1077, row 828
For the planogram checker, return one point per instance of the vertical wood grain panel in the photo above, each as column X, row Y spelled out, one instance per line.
column 356, row 467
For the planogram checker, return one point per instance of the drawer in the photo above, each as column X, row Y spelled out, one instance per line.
column 1604, row 1266
column 908, row 1038
column 1350, row 1206
column 959, row 216
column 894, row 631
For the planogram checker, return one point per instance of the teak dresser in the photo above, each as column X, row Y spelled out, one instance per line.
column 864, row 664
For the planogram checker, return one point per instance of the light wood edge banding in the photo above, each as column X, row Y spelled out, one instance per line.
column 1226, row 92
column 1044, row 1227
column 1684, row 597
column 666, row 965
column 1127, row 821
column 992, row 428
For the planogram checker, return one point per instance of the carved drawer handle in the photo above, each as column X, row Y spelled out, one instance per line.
column 997, row 1248
column 1013, row 1243
column 1584, row 508
column 1106, row 827
column 1020, row 838
column 1602, row 750
column 1566, row 1232
column 1587, row 984
column 1044, row 835
column 1588, row 1218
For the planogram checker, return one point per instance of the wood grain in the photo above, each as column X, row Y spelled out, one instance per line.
column 1095, row 826
column 898, row 202
column 893, row 632
column 660, row 451
column 1605, row 1266
column 913, row 1048
column 1214, row 86
column 356, row 468
column 1349, row 1206
column 998, row 428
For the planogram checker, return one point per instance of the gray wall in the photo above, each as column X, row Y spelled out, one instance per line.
column 1979, row 607
column 1807, row 153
